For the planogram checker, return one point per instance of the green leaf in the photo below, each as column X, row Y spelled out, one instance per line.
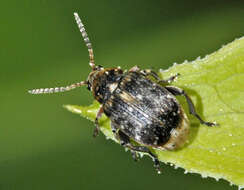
column 216, row 86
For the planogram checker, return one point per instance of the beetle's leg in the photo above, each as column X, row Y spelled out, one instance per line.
column 115, row 129
column 99, row 115
column 170, row 79
column 146, row 150
column 134, row 155
column 177, row 91
column 149, row 72
column 125, row 141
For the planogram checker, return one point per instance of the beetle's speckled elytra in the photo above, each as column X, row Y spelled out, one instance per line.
column 141, row 110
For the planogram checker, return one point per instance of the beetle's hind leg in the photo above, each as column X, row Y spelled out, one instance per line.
column 125, row 142
column 177, row 91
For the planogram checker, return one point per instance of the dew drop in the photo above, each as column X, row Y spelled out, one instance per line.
column 198, row 58
column 230, row 135
column 206, row 56
column 224, row 149
column 204, row 175
column 186, row 61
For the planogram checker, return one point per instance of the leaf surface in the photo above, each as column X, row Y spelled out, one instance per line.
column 216, row 86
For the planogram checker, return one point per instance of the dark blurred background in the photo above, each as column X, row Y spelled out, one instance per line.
column 43, row 146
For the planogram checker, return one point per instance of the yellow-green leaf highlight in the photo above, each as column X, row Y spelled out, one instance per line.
column 216, row 86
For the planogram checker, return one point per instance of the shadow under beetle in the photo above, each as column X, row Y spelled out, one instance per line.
column 140, row 109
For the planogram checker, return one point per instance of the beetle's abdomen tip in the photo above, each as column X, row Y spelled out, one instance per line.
column 178, row 135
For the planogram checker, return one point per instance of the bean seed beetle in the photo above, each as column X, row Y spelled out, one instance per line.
column 143, row 110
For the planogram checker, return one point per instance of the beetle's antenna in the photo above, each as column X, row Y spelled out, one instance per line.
column 91, row 63
column 86, row 39
column 57, row 89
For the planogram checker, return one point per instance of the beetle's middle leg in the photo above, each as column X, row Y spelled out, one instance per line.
column 125, row 142
column 115, row 129
column 177, row 91
column 98, row 116
column 149, row 72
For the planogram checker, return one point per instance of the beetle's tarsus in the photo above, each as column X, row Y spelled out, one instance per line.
column 210, row 124
column 95, row 132
column 169, row 80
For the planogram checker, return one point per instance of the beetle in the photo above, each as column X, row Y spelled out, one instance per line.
column 143, row 109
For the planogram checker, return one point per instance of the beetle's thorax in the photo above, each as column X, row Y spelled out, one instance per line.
column 102, row 82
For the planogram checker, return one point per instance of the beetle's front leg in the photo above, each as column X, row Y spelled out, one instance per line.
column 149, row 72
column 98, row 116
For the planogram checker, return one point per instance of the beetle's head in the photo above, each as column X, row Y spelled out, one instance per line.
column 102, row 82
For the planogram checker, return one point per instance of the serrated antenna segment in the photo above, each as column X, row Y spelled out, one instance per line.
column 56, row 89
column 86, row 39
